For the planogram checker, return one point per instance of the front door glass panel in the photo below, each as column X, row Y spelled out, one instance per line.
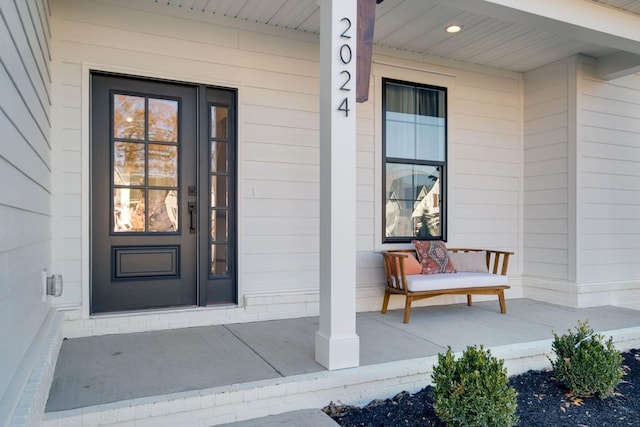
column 145, row 154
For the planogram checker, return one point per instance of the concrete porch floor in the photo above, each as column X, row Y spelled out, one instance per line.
column 218, row 374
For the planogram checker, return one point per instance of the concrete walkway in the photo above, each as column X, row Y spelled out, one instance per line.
column 301, row 418
column 106, row 369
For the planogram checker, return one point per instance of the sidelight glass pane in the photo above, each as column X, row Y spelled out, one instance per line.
column 219, row 191
column 219, row 226
column 128, row 117
column 128, row 163
column 163, row 120
column 218, row 122
column 218, row 156
column 128, row 210
column 163, row 165
column 412, row 206
column 219, row 260
column 163, row 210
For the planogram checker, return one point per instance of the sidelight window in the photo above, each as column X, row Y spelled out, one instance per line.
column 219, row 210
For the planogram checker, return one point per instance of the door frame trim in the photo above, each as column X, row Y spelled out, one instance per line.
column 85, row 175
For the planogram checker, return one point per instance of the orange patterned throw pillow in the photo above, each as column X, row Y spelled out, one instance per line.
column 433, row 256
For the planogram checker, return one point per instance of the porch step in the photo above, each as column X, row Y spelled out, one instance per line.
column 241, row 402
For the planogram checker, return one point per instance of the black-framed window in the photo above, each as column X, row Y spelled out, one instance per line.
column 414, row 144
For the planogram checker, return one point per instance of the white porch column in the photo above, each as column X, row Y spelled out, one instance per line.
column 337, row 345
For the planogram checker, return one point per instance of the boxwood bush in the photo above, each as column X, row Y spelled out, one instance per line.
column 474, row 390
column 585, row 363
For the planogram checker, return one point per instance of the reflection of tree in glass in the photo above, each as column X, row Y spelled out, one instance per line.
column 144, row 119
column 128, row 117
column 163, row 165
column 163, row 120
column 128, row 163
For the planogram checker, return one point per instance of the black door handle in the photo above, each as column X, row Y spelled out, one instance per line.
column 192, row 217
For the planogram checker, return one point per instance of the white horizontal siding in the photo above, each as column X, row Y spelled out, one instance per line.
column 546, row 172
column 485, row 162
column 25, row 192
column 25, row 63
column 609, row 178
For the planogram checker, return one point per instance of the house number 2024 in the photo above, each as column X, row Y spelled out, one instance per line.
column 346, row 55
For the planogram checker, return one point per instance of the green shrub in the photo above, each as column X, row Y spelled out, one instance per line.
column 473, row 391
column 585, row 363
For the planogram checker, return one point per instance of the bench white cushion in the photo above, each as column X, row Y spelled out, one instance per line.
column 433, row 282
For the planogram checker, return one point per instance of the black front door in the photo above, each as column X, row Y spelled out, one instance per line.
column 155, row 219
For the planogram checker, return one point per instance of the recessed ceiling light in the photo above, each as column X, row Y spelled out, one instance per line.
column 455, row 28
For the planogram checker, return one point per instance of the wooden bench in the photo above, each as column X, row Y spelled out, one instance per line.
column 419, row 286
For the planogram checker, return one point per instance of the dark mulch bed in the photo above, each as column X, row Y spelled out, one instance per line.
column 542, row 402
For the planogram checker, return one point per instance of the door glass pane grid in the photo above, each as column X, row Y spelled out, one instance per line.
column 219, row 196
column 145, row 172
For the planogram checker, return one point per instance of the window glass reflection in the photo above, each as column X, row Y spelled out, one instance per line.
column 163, row 165
column 218, row 122
column 163, row 120
column 219, row 226
column 412, row 207
column 128, row 117
column 415, row 122
column 218, row 156
column 128, row 210
column 128, row 163
column 219, row 191
column 219, row 260
column 163, row 210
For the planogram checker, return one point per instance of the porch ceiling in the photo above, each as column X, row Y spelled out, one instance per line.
column 503, row 34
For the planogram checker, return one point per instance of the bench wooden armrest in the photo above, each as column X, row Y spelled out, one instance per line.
column 396, row 277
